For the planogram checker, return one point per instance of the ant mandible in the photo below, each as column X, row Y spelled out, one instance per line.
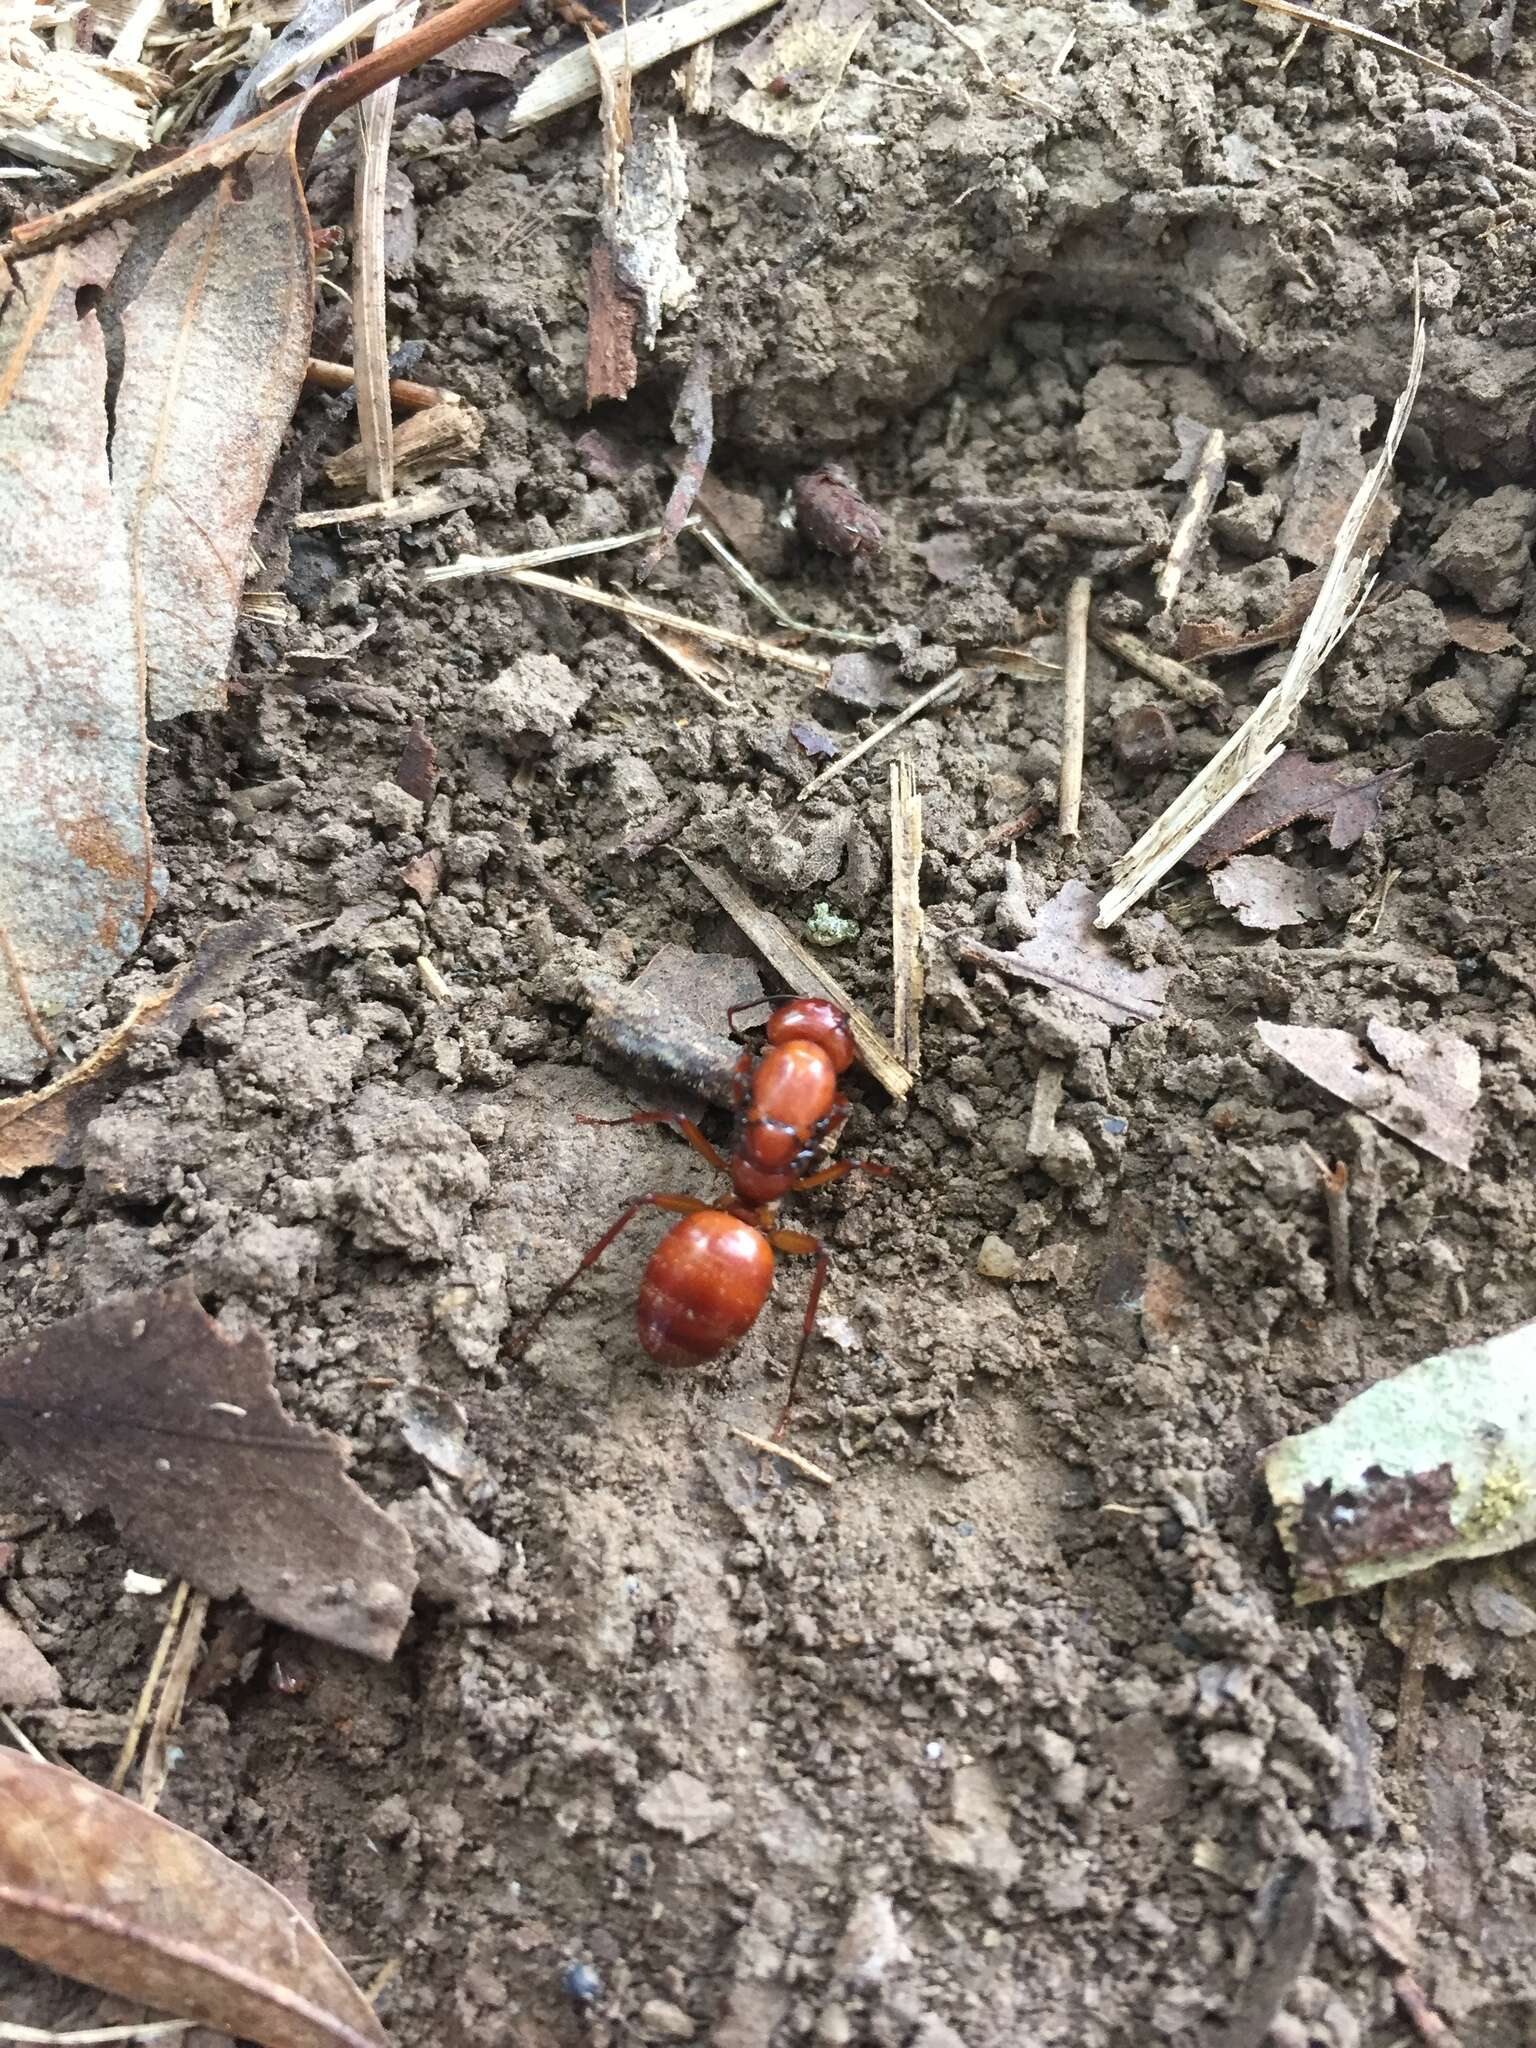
column 706, row 1282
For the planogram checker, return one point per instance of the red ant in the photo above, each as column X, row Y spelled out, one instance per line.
column 706, row 1282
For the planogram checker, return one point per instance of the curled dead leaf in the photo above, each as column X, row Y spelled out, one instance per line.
column 147, row 1407
column 95, row 1887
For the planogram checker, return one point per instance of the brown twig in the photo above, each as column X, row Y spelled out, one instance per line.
column 802, row 971
column 157, row 1765
column 1074, row 708
column 1050, row 1084
column 1410, row 1687
column 403, row 394
column 943, row 688
column 1199, row 692
column 1015, row 828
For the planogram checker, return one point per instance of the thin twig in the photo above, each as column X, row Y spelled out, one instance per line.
column 800, row 970
column 778, row 1450
column 943, row 688
column 1003, row 835
column 348, row 30
column 21, row 1739
column 90, row 2037
column 906, row 914
column 370, row 338
column 1074, row 704
column 691, row 662
column 1199, row 692
column 1050, row 1084
column 1210, row 473
column 156, row 1767
column 320, row 375
column 1410, row 1685
column 1379, row 42
column 574, row 78
column 695, row 629
column 534, row 558
column 146, row 1697
column 434, row 501
column 928, row 12
column 705, row 533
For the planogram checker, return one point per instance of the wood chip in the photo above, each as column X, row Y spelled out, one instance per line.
column 423, row 444
column 795, row 66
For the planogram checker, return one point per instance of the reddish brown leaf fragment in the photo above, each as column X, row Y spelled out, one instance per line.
column 95, row 1887
column 147, row 1407
column 1297, row 788
column 417, row 773
column 613, row 314
column 830, row 512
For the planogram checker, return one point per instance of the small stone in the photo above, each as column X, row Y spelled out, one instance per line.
column 1485, row 550
column 997, row 1260
column 1445, row 707
column 1069, row 1162
column 1143, row 739
column 530, row 704
column 680, row 1805
column 1235, row 1759
column 871, row 1944
column 663, row 2021
column 834, row 2029
column 394, row 809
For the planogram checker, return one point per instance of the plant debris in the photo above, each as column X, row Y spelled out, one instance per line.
column 1329, row 471
column 693, row 423
column 66, row 107
column 1457, row 756
column 1297, row 788
column 1089, row 986
column 1435, row 1462
column 830, row 512
column 93, row 1886
column 795, row 66
column 76, row 866
column 1266, row 894
column 1427, row 1092
column 574, row 78
column 46, row 1128
column 148, row 1407
column 439, row 436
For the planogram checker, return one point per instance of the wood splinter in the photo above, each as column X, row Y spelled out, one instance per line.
column 1074, row 713
column 906, row 914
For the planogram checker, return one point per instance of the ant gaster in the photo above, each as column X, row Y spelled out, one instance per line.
column 706, row 1282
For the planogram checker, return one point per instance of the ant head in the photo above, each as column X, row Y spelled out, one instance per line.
column 823, row 1023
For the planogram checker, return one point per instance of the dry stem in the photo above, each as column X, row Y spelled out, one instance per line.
column 370, row 340
column 777, row 1450
column 156, row 1768
column 1074, row 712
column 1313, row 19
column 1199, row 692
column 1210, row 473
column 906, row 914
column 136, row 1726
column 800, row 970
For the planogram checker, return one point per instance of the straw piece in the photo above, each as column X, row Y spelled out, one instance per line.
column 1197, row 691
column 907, row 914
column 1074, row 713
column 574, row 78
column 1210, row 473
column 800, row 970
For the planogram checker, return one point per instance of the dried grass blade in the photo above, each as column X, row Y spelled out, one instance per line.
column 1257, row 742
column 370, row 342
column 907, row 913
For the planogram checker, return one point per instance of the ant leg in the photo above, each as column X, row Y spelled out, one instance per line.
column 680, row 1205
column 827, row 1174
column 757, row 1003
column 679, row 1123
column 800, row 1241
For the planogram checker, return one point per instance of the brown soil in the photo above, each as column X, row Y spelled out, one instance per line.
column 1014, row 1736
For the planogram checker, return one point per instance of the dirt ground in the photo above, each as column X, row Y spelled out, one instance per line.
column 1014, row 1735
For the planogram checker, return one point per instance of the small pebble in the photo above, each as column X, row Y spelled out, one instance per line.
column 663, row 2021
column 997, row 1260
column 1143, row 739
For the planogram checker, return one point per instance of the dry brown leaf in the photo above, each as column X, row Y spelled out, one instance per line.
column 147, row 1407
column 1066, row 955
column 1477, row 634
column 215, row 308
column 46, row 1127
column 27, row 1679
column 95, row 1887
column 1457, row 756
column 1427, row 1092
column 1264, row 893
column 1297, row 788
column 76, row 866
